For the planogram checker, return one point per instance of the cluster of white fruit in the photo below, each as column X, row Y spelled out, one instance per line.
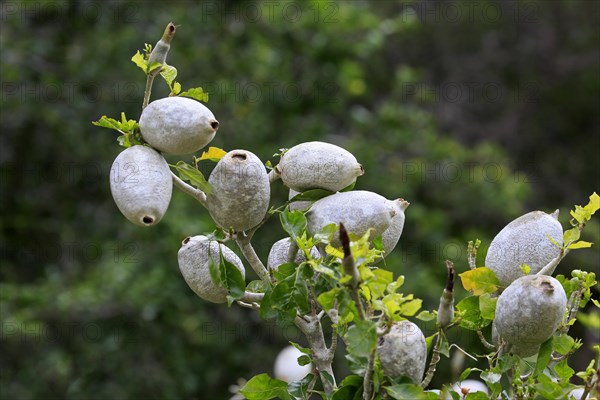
column 528, row 312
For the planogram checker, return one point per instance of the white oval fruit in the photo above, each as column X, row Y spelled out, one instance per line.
column 141, row 185
column 279, row 254
column 403, row 351
column 528, row 312
column 524, row 241
column 318, row 165
column 193, row 264
column 358, row 210
column 392, row 234
column 286, row 365
column 240, row 191
column 178, row 125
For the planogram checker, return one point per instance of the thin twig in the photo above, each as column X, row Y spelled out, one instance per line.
column 148, row 91
column 484, row 340
column 350, row 269
column 253, row 306
column 197, row 194
column 249, row 254
column 435, row 359
column 367, row 380
column 251, row 297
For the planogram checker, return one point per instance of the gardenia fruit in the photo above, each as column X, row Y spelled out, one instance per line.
column 392, row 234
column 528, row 313
column 279, row 254
column 358, row 210
column 318, row 165
column 286, row 365
column 178, row 125
column 524, row 241
column 193, row 264
column 141, row 185
column 240, row 191
column 403, row 351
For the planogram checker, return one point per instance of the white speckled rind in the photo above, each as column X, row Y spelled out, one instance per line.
column 403, row 351
column 141, row 185
column 392, row 234
column 318, row 165
column 279, row 253
column 359, row 210
column 524, row 241
column 178, row 125
column 528, row 312
column 240, row 191
column 193, row 264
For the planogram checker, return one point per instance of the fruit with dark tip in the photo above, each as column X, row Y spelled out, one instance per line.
column 178, row 125
column 193, row 258
column 318, row 165
column 141, row 185
column 528, row 312
column 240, row 191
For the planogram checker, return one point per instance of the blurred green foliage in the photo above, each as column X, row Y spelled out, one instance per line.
column 93, row 307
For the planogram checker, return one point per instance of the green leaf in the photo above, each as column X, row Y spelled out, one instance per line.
column 257, row 286
column 480, row 280
column 490, row 377
column 465, row 374
column 293, row 222
column 571, row 235
column 563, row 344
column 193, row 175
column 196, row 93
column 487, row 306
column 361, row 338
column 579, row 245
column 427, row 316
column 263, row 387
column 110, row 123
column 300, row 292
column 470, row 314
column 593, row 205
column 169, row 73
column 233, row 279
column 543, row 357
column 406, row 391
column 327, row 299
column 299, row 389
column 563, row 371
column 175, row 89
column 410, row 308
column 139, row 60
column 477, row 396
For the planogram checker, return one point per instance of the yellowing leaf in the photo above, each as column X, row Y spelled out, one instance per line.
column 411, row 307
column 480, row 280
column 594, row 204
column 139, row 60
column 213, row 154
column 332, row 251
column 580, row 245
column 196, row 93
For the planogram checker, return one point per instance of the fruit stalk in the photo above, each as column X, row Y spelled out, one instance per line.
column 197, row 194
column 159, row 54
column 252, row 258
column 446, row 309
column 350, row 269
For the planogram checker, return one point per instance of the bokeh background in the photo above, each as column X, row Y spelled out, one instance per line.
column 474, row 111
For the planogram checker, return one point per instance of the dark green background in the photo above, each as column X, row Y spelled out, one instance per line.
column 474, row 111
